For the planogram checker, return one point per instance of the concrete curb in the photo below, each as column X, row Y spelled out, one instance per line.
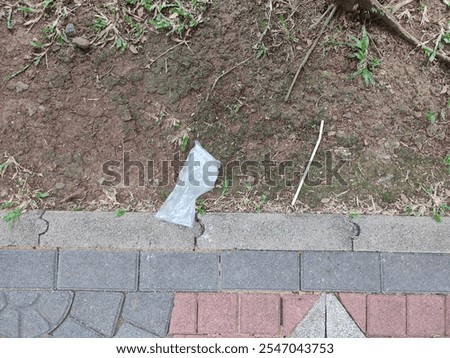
column 238, row 231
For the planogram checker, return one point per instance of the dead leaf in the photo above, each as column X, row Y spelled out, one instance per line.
column 133, row 49
column 140, row 12
column 404, row 199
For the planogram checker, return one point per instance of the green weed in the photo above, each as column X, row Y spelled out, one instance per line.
column 353, row 215
column 6, row 205
column 120, row 212
column 184, row 142
column 361, row 53
column 41, row 195
column 12, row 217
column 201, row 207
column 431, row 116
column 225, row 187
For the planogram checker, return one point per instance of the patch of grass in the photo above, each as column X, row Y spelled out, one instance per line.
column 201, row 207
column 361, row 53
column 12, row 217
column 439, row 212
column 6, row 205
column 225, row 187
column 447, row 162
column 353, row 215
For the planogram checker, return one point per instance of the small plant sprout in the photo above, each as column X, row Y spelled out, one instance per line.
column 42, row 195
column 6, row 205
column 120, row 212
column 184, row 142
column 12, row 217
column 201, row 207
column 225, row 187
column 447, row 162
column 361, row 53
column 431, row 116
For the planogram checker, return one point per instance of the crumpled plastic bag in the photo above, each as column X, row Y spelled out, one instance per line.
column 198, row 176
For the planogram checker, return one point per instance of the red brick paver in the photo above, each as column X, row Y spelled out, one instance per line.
column 425, row 315
column 355, row 304
column 295, row 308
column 447, row 310
column 386, row 316
column 260, row 314
column 217, row 313
column 184, row 314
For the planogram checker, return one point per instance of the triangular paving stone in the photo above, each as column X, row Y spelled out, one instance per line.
column 313, row 325
column 355, row 304
column 295, row 308
column 338, row 321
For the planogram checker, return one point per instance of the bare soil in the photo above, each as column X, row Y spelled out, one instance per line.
column 84, row 108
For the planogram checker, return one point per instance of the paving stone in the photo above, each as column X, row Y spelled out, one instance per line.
column 260, row 270
column 415, row 272
column 127, row 330
column 24, row 232
column 39, row 311
column 386, row 316
column 313, row 325
column 98, row 310
column 340, row 271
column 97, row 270
column 402, row 234
column 184, row 314
column 70, row 328
column 447, row 310
column 217, row 313
column 149, row 311
column 260, row 314
column 275, row 232
column 355, row 304
column 295, row 308
column 425, row 315
column 338, row 321
column 139, row 231
column 179, row 271
column 27, row 268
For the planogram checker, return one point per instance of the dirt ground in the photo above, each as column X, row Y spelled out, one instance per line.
column 65, row 118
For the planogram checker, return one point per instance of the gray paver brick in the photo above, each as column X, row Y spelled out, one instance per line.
column 132, row 231
column 384, row 233
column 27, row 268
column 24, row 232
column 98, row 310
column 179, row 271
column 275, row 232
column 70, row 328
column 97, row 270
column 149, row 311
column 416, row 272
column 39, row 312
column 127, row 330
column 340, row 271
column 260, row 270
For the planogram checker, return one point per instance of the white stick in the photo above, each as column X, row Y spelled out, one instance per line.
column 300, row 185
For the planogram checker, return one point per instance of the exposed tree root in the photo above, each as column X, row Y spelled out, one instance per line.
column 389, row 20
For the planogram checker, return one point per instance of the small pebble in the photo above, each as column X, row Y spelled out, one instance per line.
column 60, row 186
column 81, row 42
column 70, row 30
column 21, row 87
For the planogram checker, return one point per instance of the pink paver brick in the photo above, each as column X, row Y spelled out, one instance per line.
column 425, row 315
column 260, row 314
column 355, row 304
column 447, row 299
column 386, row 316
column 217, row 313
column 295, row 308
column 184, row 314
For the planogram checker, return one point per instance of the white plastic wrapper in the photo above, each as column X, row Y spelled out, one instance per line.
column 198, row 175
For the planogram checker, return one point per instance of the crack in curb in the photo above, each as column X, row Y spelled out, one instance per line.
column 356, row 233
column 200, row 226
column 41, row 217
